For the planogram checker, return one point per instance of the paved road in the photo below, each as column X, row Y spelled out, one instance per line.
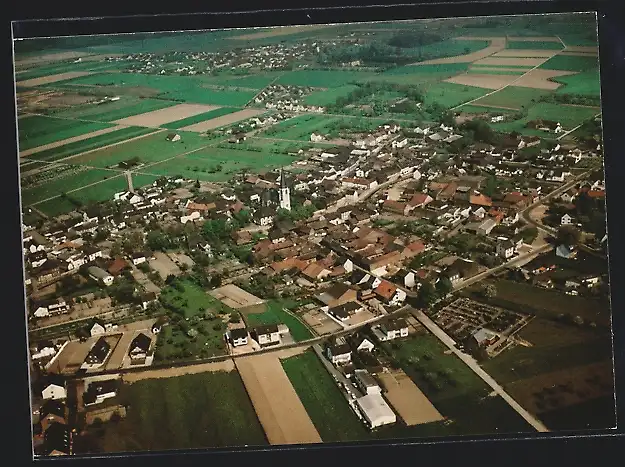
column 473, row 365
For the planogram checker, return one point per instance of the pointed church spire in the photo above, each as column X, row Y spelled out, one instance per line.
column 282, row 178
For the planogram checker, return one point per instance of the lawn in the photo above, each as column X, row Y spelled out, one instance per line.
column 178, row 88
column 542, row 110
column 329, row 411
column 596, row 413
column 275, row 314
column 218, row 164
column 571, row 63
column 323, row 98
column 152, row 148
column 114, row 110
column 587, row 84
column 37, row 130
column 200, row 117
column 514, row 97
column 451, row 94
column 56, row 186
column 192, row 299
column 204, row 410
column 90, row 144
column 534, row 45
column 322, row 78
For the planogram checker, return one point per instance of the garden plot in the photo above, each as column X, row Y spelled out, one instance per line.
column 223, row 120
column 29, row 83
column 496, row 44
column 279, row 409
column 157, row 118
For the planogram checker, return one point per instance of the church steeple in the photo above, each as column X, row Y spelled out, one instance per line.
column 285, row 192
column 282, row 179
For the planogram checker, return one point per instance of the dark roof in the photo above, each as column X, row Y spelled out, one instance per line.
column 461, row 267
column 57, row 438
column 148, row 296
column 52, row 407
column 357, row 276
column 90, row 249
column 142, row 341
column 395, row 324
column 265, row 329
column 337, row 290
column 103, row 387
column 340, row 349
column 345, row 310
column 239, row 333
column 98, row 352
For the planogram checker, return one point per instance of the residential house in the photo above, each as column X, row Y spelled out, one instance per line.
column 139, row 258
column 505, row 248
column 148, row 298
column 338, row 352
column 420, row 200
column 52, row 386
column 366, row 382
column 266, row 334
column 565, row 251
column 98, row 391
column 58, row 440
column 406, row 278
column 51, row 307
column 92, row 252
column 569, row 196
column 100, row 275
column 566, row 220
column 316, row 271
column 97, row 327
column 391, row 329
column 389, row 293
column 52, row 411
column 118, row 266
column 238, row 337
column 362, row 344
column 139, row 350
column 378, row 264
column 345, row 311
column 97, row 355
column 460, row 269
column 338, row 294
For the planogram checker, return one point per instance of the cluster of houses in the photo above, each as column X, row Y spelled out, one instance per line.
column 286, row 97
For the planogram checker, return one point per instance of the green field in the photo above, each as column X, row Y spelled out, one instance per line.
column 534, row 45
column 329, row 411
column 63, row 184
column 205, row 410
column 36, row 130
column 200, row 117
column 514, row 97
column 177, row 88
column 587, row 84
column 90, row 144
column 56, row 207
column 66, row 67
column 322, row 78
column 571, row 63
column 218, row 164
column 152, row 148
column 580, row 40
column 196, row 300
column 488, row 71
column 471, row 109
column 322, row 98
column 114, row 110
column 447, row 69
column 596, row 413
column 448, row 48
column 450, row 94
column 301, row 127
column 275, row 314
column 255, row 81
column 569, row 119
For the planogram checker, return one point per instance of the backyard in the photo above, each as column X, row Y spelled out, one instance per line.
column 275, row 314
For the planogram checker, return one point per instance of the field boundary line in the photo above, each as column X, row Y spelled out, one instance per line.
column 265, row 87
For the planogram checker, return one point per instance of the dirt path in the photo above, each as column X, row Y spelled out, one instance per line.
column 276, row 403
column 160, row 117
column 496, row 45
column 74, row 139
column 52, row 78
column 226, row 365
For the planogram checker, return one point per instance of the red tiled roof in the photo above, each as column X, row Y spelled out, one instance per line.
column 416, row 246
column 596, row 193
column 480, row 200
column 386, row 289
column 418, row 199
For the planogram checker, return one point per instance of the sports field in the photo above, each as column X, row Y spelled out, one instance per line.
column 189, row 407
column 275, row 314
column 152, row 148
column 325, row 404
column 37, row 130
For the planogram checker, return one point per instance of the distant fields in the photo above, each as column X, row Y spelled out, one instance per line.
column 514, row 97
column 152, row 148
column 36, row 130
column 448, row 48
column 114, row 110
column 322, row 78
column 204, row 410
column 200, row 118
column 323, row 98
column 276, row 315
column 490, row 71
column 582, row 84
column 63, row 184
column 569, row 119
column 178, row 88
column 450, row 94
column 329, row 411
column 436, row 70
column 90, row 144
column 534, row 45
column 571, row 63
column 65, row 67
column 301, row 127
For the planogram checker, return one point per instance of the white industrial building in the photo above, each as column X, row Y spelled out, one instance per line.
column 375, row 410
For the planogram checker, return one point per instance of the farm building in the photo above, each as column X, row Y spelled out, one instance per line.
column 173, row 137
column 100, row 275
column 375, row 410
column 366, row 382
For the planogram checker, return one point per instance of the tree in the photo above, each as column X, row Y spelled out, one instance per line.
column 568, row 235
column 529, row 234
column 158, row 240
column 133, row 242
column 235, row 318
column 426, row 294
column 444, row 286
column 215, row 281
column 489, row 291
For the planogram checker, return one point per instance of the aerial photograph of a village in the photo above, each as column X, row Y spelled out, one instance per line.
column 314, row 234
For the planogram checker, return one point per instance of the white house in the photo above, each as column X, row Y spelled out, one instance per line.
column 238, row 337
column 267, row 334
column 138, row 258
column 100, row 275
column 53, row 387
column 375, row 410
column 566, row 220
column 365, row 345
column 391, row 330
column 98, row 391
column 339, row 352
column 97, row 328
column 366, row 382
column 505, row 248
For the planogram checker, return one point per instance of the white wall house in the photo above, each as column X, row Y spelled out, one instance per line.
column 54, row 391
column 566, row 220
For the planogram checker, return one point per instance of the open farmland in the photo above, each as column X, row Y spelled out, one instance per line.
column 325, row 404
column 301, row 127
column 37, row 130
column 536, row 79
column 114, row 110
column 252, row 81
column 512, row 97
column 569, row 119
column 275, row 314
column 65, row 67
column 571, row 63
column 329, row 96
column 227, row 119
column 29, row 83
column 512, row 43
column 61, row 184
column 279, row 409
column 451, row 94
column 510, row 61
column 69, row 141
column 524, row 53
column 217, row 164
column 322, row 78
column 188, row 406
column 90, row 144
column 211, row 114
column 152, row 148
column 485, row 47
column 586, row 84
column 157, row 118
